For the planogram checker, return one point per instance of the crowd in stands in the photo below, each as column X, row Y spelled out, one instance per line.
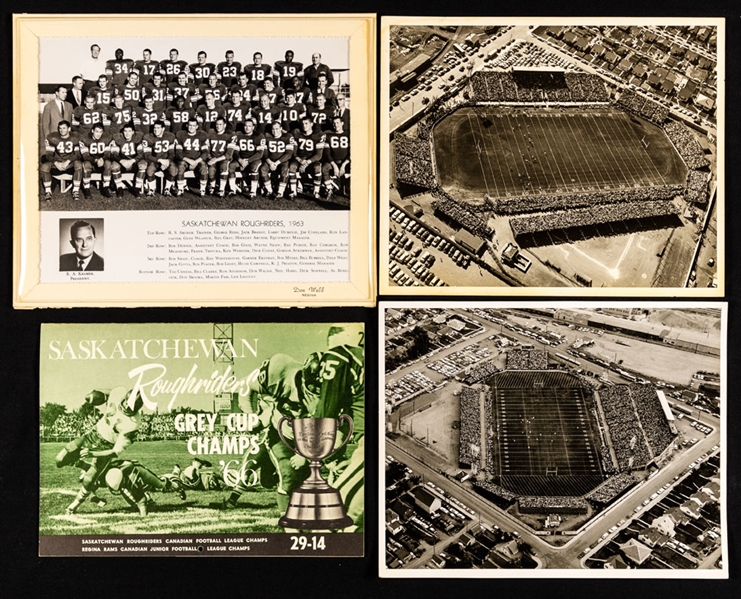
column 152, row 427
column 480, row 372
column 608, row 465
column 543, row 203
column 456, row 212
column 687, row 145
column 552, row 504
column 653, row 420
column 643, row 107
column 611, row 488
column 627, row 437
column 68, row 426
column 413, row 161
column 489, row 430
column 697, row 187
column 414, row 147
column 596, row 215
column 494, row 489
column 527, row 359
column 470, row 426
column 496, row 86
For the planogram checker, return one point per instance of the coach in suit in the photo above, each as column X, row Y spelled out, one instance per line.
column 56, row 111
column 84, row 258
column 76, row 96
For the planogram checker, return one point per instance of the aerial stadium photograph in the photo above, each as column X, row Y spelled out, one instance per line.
column 547, row 155
column 577, row 440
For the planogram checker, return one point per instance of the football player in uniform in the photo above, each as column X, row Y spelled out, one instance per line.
column 131, row 91
column 257, row 71
column 177, row 116
column 158, row 149
column 113, row 433
column 279, row 147
column 316, row 68
column 302, row 93
column 119, row 115
column 322, row 87
column 119, row 68
column 291, row 112
column 95, row 149
column 127, row 156
column 247, row 90
column 158, row 90
column 103, row 92
column 237, row 112
column 321, row 114
column 147, row 67
column 191, row 154
column 271, row 91
column 146, row 117
column 181, row 87
column 336, row 168
column 308, row 156
column 277, row 389
column 134, row 481
column 247, row 150
column 213, row 86
column 266, row 114
column 201, row 70
column 219, row 155
column 62, row 155
column 228, row 70
column 84, row 117
column 195, row 478
column 173, row 67
column 208, row 113
column 287, row 69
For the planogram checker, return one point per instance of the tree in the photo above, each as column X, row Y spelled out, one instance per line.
column 49, row 412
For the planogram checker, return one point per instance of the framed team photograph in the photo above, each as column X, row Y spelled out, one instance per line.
column 552, row 156
column 547, row 440
column 219, row 149
column 209, row 439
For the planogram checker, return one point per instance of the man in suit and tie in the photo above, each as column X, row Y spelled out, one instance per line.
column 76, row 96
column 84, row 258
column 56, row 111
column 343, row 111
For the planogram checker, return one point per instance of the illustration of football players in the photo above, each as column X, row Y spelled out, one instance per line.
column 158, row 149
column 257, row 71
column 247, row 150
column 127, row 157
column 228, row 70
column 309, row 142
column 280, row 387
column 158, row 90
column 173, row 67
column 287, row 69
column 84, row 117
column 119, row 68
column 177, row 116
column 147, row 67
column 279, row 147
column 191, row 154
column 336, row 168
column 62, row 155
column 95, row 149
column 103, row 92
column 201, row 70
column 113, row 433
column 219, row 155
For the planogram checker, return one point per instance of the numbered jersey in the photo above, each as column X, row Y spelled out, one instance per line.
column 146, row 118
column 85, row 118
column 119, row 117
column 159, row 147
column 208, row 116
column 158, row 93
column 174, row 90
column 116, row 427
column 248, row 92
column 322, row 118
column 63, row 148
column 303, row 95
column 279, row 147
column 92, row 149
column 179, row 117
column 309, row 145
column 103, row 96
column 264, row 117
column 288, row 70
column 342, row 374
column 219, row 92
column 170, row 69
column 229, row 73
column 237, row 114
column 258, row 73
column 246, row 146
column 218, row 144
column 201, row 72
column 146, row 69
column 128, row 149
column 120, row 69
column 274, row 391
column 338, row 146
column 291, row 115
column 192, row 146
column 132, row 94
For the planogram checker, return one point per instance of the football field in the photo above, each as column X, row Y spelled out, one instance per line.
column 522, row 151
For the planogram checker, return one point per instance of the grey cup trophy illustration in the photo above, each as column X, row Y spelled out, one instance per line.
column 315, row 505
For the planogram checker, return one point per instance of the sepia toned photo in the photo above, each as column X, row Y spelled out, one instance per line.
column 540, row 154
column 525, row 440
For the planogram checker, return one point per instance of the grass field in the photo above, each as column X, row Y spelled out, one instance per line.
column 518, row 151
column 199, row 513
column 545, row 441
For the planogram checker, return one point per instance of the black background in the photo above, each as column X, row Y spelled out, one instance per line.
column 23, row 573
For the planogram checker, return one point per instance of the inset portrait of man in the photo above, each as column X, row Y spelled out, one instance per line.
column 83, row 237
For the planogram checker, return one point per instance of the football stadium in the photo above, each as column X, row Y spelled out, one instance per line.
column 533, row 151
